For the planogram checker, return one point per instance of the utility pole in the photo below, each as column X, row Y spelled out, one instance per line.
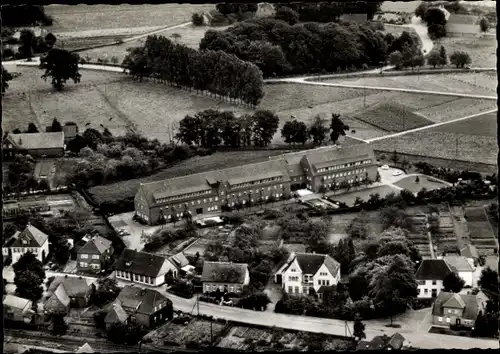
column 364, row 96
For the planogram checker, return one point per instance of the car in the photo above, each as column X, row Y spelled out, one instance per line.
column 397, row 173
column 227, row 303
column 385, row 167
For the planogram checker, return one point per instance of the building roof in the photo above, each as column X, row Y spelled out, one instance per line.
column 469, row 251
column 199, row 181
column 32, row 235
column 116, row 314
column 140, row 263
column 224, row 272
column 145, row 298
column 463, row 19
column 34, row 141
column 16, row 302
column 459, row 263
column 58, row 299
column 86, row 348
column 323, row 288
column 179, row 260
column 395, row 341
column 74, row 286
column 468, row 302
column 310, row 263
column 97, row 245
column 324, row 158
column 492, row 262
column 432, row 269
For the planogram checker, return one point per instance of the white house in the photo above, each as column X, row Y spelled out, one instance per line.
column 463, row 268
column 305, row 271
column 430, row 275
column 142, row 267
column 29, row 240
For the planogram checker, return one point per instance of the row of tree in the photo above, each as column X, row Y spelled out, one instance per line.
column 207, row 71
column 278, row 48
column 25, row 15
column 330, row 11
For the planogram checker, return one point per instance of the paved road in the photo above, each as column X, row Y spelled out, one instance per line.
column 421, row 29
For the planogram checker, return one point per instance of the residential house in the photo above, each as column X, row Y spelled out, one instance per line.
column 452, row 309
column 225, row 276
column 325, row 167
column 463, row 268
column 470, row 252
column 86, row 348
column 29, row 240
column 93, row 256
column 305, row 272
column 145, row 306
column 58, row 302
column 34, row 144
column 70, row 131
column 142, row 267
column 17, row 309
column 430, row 275
column 78, row 289
column 181, row 263
column 384, row 342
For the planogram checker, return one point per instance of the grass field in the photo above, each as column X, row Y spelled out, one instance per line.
column 459, row 108
column 471, row 140
column 482, row 51
column 399, row 6
column 219, row 160
column 78, row 18
column 425, row 182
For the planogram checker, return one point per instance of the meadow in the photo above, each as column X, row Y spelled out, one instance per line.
column 482, row 50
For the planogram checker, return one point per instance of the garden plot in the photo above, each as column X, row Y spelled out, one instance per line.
column 462, row 107
column 481, row 50
column 481, row 232
column 238, row 337
column 484, row 125
column 198, row 331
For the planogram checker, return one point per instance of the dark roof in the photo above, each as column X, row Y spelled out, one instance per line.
column 470, row 302
column 310, row 263
column 35, row 238
column 116, row 314
column 432, row 269
column 58, row 301
column 74, row 286
column 145, row 298
column 224, row 272
column 97, row 245
column 140, row 263
column 34, row 141
column 179, row 260
column 381, row 342
column 322, row 288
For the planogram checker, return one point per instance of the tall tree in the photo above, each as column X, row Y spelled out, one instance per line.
column 50, row 40
column 453, row 283
column 484, row 25
column 287, row 14
column 32, row 128
column 345, row 253
column 28, row 261
column 266, row 125
column 106, row 291
column 337, row 128
column 27, row 39
column 488, row 281
column 294, row 132
column 443, row 56
column 60, row 65
column 190, row 130
column 56, row 126
column 6, row 77
column 460, row 59
column 317, row 130
column 28, row 285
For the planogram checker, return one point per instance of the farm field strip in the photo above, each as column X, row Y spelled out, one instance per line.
column 456, row 109
column 485, row 125
column 488, row 81
column 481, row 50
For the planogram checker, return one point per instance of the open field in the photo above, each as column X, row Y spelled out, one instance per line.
column 482, row 51
column 198, row 164
column 484, row 80
column 78, row 18
column 399, row 6
column 471, row 140
column 459, row 108
column 428, row 183
column 189, row 35
column 480, row 230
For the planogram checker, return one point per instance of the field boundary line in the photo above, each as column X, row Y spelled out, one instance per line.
column 431, row 126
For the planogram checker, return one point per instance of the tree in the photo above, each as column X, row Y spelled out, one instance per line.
column 344, row 253
column 59, row 325
column 337, row 128
column 197, row 19
column 453, row 283
column 28, row 285
column 395, row 157
column 266, row 125
column 484, row 25
column 436, row 31
column 6, row 76
column 56, row 126
column 27, row 39
column 460, row 59
column 287, row 14
column 125, row 333
column 359, row 227
column 434, row 59
column 92, row 138
column 50, row 40
column 421, row 10
column 76, row 144
column 417, row 180
column 32, row 128
column 29, row 262
column 434, row 16
column 294, row 132
column 107, row 290
column 358, row 329
column 396, row 59
column 60, row 65
column 488, row 281
column 318, row 131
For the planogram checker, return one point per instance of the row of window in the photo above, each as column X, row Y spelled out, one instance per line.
column 324, row 282
column 350, row 164
column 344, row 174
column 323, row 273
column 261, row 181
column 193, row 202
column 86, row 256
column 231, row 289
column 297, row 289
column 159, row 307
column 426, row 291
column 25, row 250
column 293, row 278
column 134, row 277
column 92, row 265
column 350, row 181
column 183, row 196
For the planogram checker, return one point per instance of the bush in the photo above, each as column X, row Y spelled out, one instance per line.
column 197, row 19
column 182, row 289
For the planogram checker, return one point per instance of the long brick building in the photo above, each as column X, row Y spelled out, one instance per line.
column 207, row 192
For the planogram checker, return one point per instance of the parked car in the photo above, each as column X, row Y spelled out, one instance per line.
column 385, row 167
column 397, row 173
column 228, row 303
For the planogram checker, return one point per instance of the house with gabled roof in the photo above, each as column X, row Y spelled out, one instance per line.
column 142, row 267
column 180, row 261
column 452, row 309
column 384, row 342
column 430, row 275
column 29, row 240
column 16, row 308
column 225, row 276
column 463, row 267
column 86, row 348
column 58, row 302
column 34, row 144
column 306, row 273
column 78, row 289
column 93, row 256
column 470, row 252
column 145, row 306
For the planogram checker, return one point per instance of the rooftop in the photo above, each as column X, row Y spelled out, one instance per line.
column 224, row 272
column 469, row 303
column 146, row 299
column 30, row 237
column 96, row 245
column 33, row 141
column 16, row 302
column 432, row 269
column 459, row 263
column 140, row 263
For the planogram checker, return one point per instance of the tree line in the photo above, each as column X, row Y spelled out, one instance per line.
column 330, row 11
column 25, row 15
column 278, row 48
column 206, row 71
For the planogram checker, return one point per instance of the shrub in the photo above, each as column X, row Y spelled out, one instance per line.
column 197, row 19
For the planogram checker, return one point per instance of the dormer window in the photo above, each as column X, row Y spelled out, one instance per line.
column 25, row 242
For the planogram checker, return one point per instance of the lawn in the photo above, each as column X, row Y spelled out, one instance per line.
column 425, row 182
column 481, row 50
column 484, row 125
column 364, row 194
column 392, row 117
column 459, row 108
column 80, row 18
column 198, row 164
column 399, row 6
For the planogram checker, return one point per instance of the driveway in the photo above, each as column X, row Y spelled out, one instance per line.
column 419, row 26
column 387, row 176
